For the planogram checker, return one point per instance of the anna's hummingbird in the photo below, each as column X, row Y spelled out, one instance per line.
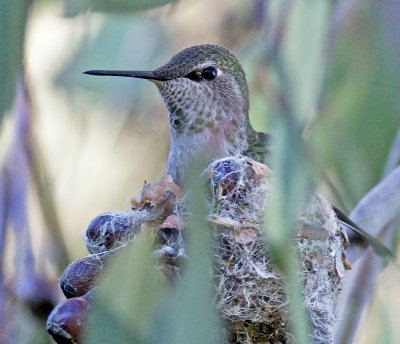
column 205, row 90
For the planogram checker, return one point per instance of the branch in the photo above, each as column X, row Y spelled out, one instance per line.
column 367, row 270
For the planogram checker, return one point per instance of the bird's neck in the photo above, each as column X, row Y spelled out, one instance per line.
column 202, row 141
column 205, row 124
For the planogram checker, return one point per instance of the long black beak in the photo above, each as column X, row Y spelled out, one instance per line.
column 127, row 74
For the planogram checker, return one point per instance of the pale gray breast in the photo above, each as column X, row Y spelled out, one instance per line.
column 189, row 148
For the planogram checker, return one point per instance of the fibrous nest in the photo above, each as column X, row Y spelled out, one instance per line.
column 250, row 291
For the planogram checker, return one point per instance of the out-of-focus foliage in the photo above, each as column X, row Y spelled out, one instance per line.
column 134, row 306
column 13, row 16
column 296, row 65
column 74, row 7
column 360, row 113
column 189, row 314
column 327, row 66
column 128, row 297
column 117, row 45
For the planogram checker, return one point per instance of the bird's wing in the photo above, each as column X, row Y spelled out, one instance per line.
column 361, row 237
column 258, row 146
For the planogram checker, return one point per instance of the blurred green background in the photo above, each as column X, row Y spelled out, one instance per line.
column 75, row 146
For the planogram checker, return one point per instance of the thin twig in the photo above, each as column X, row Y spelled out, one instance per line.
column 42, row 186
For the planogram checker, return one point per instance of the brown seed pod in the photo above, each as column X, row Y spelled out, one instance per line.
column 159, row 196
column 112, row 230
column 170, row 240
column 66, row 323
column 171, row 250
column 80, row 276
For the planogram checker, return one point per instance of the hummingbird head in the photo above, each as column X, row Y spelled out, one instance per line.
column 203, row 87
column 205, row 91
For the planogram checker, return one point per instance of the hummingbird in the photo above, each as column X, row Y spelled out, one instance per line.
column 205, row 91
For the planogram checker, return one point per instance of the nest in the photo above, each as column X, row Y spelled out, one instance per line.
column 250, row 290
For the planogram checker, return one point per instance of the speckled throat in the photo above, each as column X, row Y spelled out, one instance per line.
column 203, row 124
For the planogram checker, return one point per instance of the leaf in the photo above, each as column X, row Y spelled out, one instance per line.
column 189, row 315
column 127, row 297
column 74, row 7
column 13, row 16
column 360, row 116
column 131, row 305
column 296, row 62
column 302, row 54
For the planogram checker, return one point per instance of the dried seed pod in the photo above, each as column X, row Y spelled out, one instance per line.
column 112, row 230
column 159, row 197
column 80, row 276
column 66, row 323
column 171, row 249
column 225, row 175
column 170, row 239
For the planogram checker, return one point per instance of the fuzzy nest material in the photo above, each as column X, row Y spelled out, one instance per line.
column 112, row 230
column 250, row 291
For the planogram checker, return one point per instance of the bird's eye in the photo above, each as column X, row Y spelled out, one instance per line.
column 209, row 73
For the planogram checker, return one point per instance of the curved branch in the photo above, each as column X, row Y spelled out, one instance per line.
column 377, row 212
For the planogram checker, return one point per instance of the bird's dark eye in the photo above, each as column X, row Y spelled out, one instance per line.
column 209, row 73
